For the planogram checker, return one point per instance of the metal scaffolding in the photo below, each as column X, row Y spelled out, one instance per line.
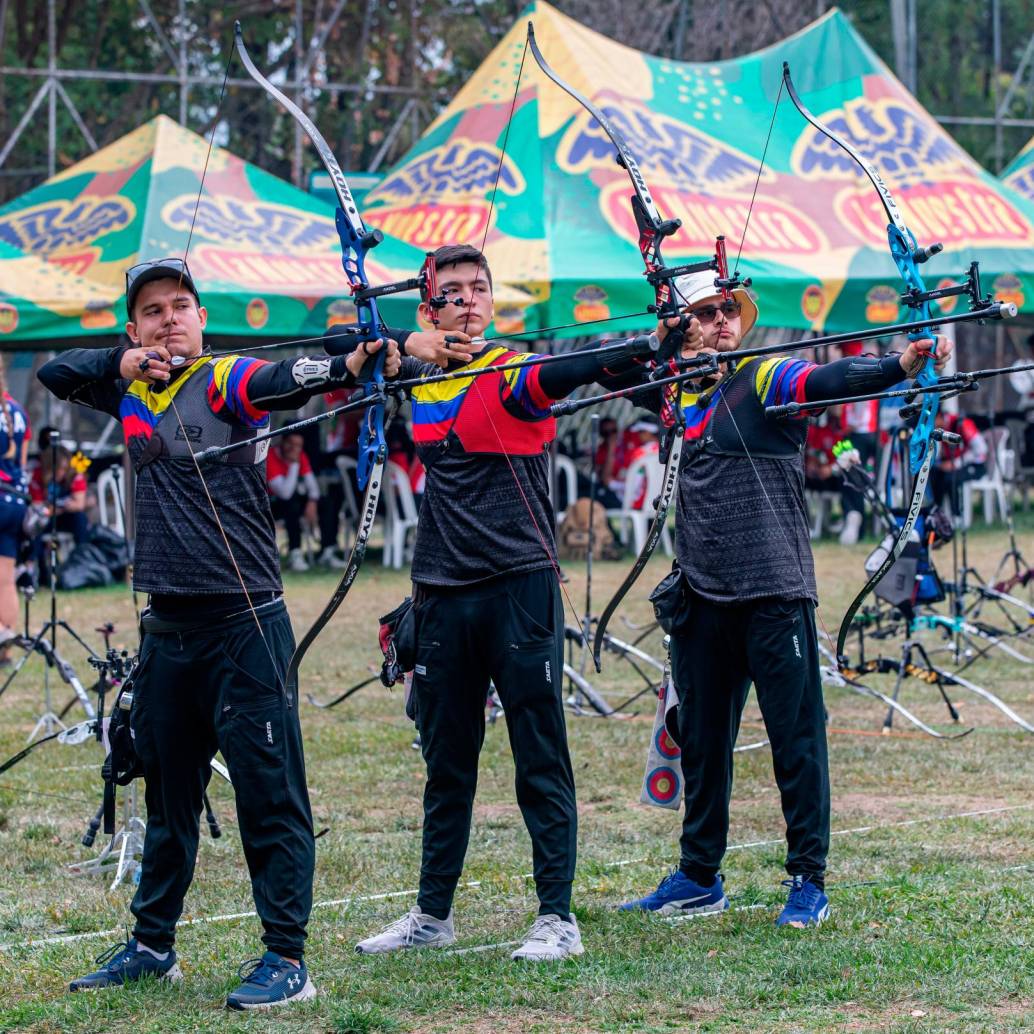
column 413, row 115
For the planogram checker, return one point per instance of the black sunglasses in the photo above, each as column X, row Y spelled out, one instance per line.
column 708, row 313
column 177, row 265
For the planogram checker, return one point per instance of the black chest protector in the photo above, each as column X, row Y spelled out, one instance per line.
column 741, row 427
column 180, row 549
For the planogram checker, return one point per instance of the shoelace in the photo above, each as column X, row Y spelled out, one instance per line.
column 545, row 929
column 668, row 880
column 114, row 958
column 407, row 926
column 803, row 893
column 262, row 973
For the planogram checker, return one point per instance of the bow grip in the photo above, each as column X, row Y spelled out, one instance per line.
column 922, row 436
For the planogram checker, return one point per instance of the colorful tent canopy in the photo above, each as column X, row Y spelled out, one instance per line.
column 553, row 207
column 39, row 300
column 1019, row 173
column 265, row 255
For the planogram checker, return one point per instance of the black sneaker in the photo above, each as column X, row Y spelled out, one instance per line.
column 123, row 963
column 271, row 980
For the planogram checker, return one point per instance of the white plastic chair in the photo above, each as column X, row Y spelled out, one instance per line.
column 110, row 490
column 400, row 516
column 1001, row 465
column 639, row 521
column 567, row 475
column 346, row 467
column 820, row 506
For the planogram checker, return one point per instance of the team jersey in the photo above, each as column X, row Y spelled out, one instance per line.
column 11, row 471
column 486, row 509
column 742, row 530
column 42, row 491
column 227, row 378
column 180, row 548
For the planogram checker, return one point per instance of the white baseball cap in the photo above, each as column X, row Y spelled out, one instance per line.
column 695, row 287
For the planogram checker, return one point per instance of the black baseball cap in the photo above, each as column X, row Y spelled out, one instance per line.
column 157, row 269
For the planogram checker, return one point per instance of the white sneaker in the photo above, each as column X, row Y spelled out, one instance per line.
column 415, row 929
column 296, row 561
column 551, row 938
column 328, row 558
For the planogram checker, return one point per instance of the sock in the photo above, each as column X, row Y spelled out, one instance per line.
column 701, row 877
column 161, row 956
column 435, row 912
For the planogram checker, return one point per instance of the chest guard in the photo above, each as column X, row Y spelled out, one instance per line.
column 201, row 428
column 746, row 431
column 491, row 420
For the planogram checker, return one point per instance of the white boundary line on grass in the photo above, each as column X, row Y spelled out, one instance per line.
column 470, row 884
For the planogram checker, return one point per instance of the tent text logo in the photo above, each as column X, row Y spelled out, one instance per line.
column 939, row 186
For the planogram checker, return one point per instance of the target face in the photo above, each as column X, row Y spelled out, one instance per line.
column 662, row 784
column 666, row 746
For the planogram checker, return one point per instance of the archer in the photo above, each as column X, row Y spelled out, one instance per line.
column 217, row 638
column 488, row 605
column 743, row 596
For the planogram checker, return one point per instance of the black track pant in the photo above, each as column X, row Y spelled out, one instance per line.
column 203, row 691
column 510, row 631
column 716, row 654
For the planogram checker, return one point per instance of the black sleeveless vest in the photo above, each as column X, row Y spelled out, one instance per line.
column 180, row 548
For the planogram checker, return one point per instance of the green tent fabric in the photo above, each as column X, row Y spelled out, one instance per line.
column 553, row 208
column 1018, row 175
column 42, row 301
column 265, row 256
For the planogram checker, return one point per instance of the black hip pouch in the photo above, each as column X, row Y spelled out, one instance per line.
column 670, row 600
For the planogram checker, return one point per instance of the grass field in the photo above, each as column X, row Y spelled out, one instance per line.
column 931, row 873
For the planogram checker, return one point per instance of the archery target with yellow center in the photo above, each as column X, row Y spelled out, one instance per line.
column 662, row 784
column 665, row 745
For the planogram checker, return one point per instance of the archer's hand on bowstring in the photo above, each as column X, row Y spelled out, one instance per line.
column 365, row 350
column 150, row 365
column 692, row 342
column 442, row 347
column 918, row 351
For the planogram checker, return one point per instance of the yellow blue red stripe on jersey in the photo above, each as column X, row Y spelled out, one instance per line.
column 777, row 381
column 228, row 377
column 436, row 406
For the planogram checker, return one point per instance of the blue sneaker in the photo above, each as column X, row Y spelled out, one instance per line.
column 271, row 980
column 123, row 963
column 805, row 906
column 677, row 894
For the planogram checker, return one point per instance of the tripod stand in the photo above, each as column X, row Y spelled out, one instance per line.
column 49, row 722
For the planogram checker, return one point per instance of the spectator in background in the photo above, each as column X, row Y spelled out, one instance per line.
column 294, row 494
column 14, row 448
column 957, row 464
column 612, row 459
column 61, row 487
column 402, row 452
column 644, row 445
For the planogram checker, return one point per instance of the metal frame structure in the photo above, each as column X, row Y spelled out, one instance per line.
column 52, row 89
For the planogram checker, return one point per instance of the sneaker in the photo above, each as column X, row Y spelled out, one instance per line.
column 296, row 561
column 805, row 906
column 551, row 937
column 271, row 980
column 123, row 963
column 677, row 894
column 415, row 929
column 329, row 558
